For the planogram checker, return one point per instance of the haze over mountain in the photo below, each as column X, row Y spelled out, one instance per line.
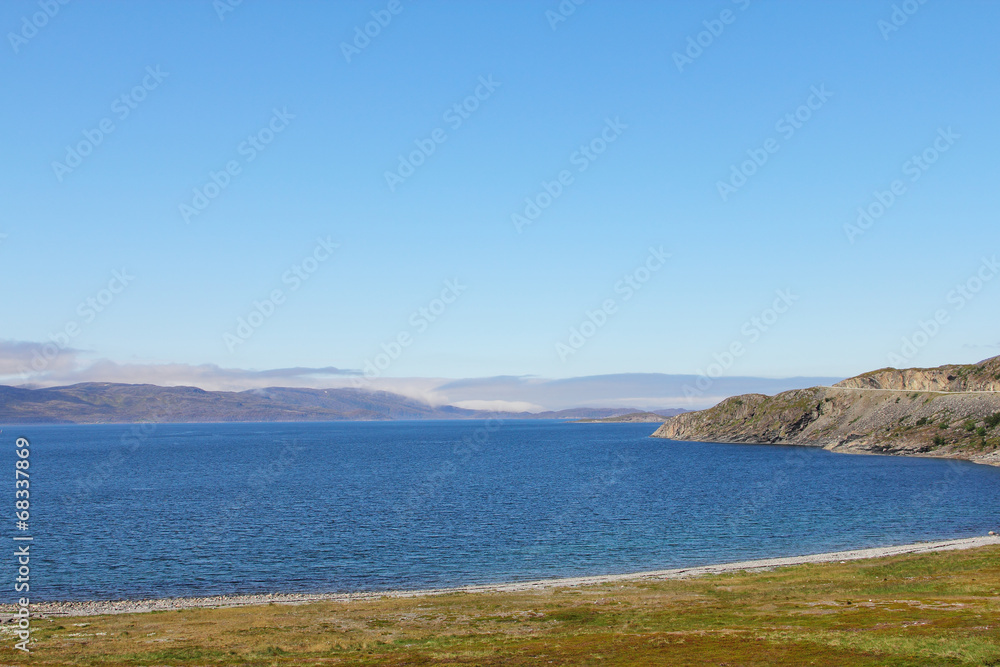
column 102, row 402
column 647, row 391
column 30, row 365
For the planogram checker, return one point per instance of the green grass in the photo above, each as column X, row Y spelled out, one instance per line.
column 931, row 609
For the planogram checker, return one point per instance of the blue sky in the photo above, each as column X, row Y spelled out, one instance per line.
column 609, row 68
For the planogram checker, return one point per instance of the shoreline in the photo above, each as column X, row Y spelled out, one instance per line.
column 105, row 607
column 990, row 458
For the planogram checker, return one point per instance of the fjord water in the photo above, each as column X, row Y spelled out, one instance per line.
column 203, row 509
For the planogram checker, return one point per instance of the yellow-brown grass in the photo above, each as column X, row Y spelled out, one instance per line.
column 931, row 609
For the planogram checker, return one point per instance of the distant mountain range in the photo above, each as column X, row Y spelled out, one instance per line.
column 645, row 391
column 105, row 403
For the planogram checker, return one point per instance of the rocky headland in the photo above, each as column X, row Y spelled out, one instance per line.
column 951, row 411
column 635, row 417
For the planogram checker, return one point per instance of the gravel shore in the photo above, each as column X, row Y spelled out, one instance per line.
column 94, row 608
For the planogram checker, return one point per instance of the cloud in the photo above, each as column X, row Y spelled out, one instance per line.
column 642, row 391
column 45, row 365
column 979, row 346
column 500, row 406
column 26, row 359
column 206, row 376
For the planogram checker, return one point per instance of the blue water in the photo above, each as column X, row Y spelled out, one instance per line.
column 181, row 510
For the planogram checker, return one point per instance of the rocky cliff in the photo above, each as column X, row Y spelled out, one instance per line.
column 984, row 376
column 883, row 412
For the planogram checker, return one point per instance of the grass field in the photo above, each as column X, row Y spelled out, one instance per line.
column 932, row 609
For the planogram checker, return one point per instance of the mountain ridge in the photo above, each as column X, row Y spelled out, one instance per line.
column 108, row 402
column 982, row 376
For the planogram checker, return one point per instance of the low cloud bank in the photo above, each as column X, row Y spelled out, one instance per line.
column 44, row 365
